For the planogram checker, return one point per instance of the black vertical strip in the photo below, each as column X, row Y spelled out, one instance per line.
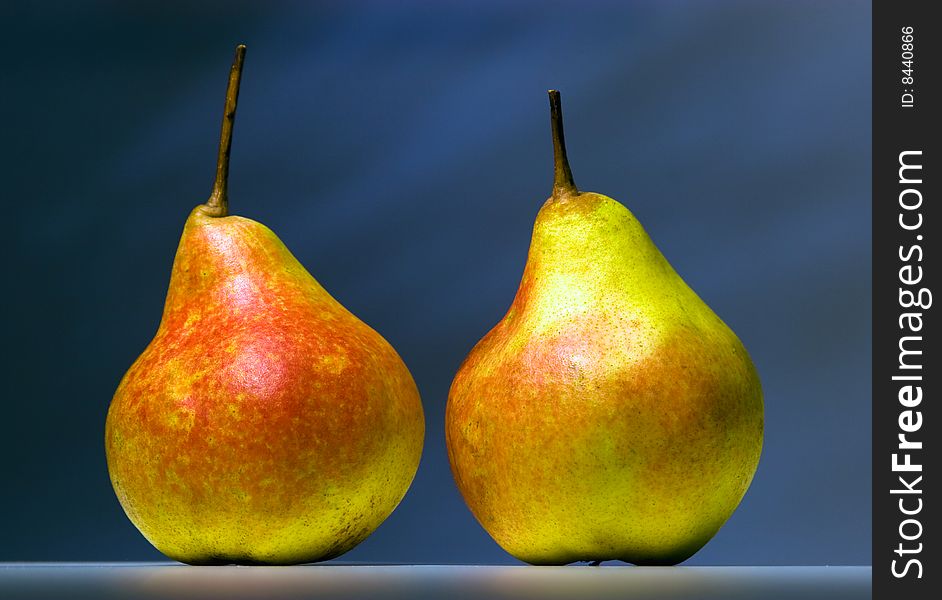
column 907, row 65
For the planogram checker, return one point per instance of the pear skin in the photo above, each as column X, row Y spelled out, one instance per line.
column 610, row 415
column 264, row 423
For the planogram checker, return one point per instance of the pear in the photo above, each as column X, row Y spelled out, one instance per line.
column 264, row 423
column 610, row 415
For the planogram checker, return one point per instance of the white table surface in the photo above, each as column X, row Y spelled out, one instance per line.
column 75, row 581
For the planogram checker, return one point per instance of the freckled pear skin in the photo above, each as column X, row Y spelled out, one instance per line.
column 610, row 415
column 264, row 423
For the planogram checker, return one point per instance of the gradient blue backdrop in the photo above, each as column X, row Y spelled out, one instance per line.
column 402, row 154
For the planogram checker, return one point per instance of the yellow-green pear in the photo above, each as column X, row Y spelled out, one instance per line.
column 611, row 414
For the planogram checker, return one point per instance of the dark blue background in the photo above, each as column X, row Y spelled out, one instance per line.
column 402, row 154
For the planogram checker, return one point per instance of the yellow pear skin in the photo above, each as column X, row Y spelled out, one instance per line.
column 610, row 415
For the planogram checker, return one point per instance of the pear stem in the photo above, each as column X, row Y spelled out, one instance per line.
column 218, row 203
column 563, row 183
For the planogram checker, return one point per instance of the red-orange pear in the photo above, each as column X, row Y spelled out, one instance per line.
column 264, row 423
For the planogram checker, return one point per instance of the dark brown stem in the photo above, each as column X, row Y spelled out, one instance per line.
column 218, row 203
column 563, row 183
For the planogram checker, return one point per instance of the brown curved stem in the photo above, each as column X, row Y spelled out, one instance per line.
column 218, row 203
column 563, row 183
